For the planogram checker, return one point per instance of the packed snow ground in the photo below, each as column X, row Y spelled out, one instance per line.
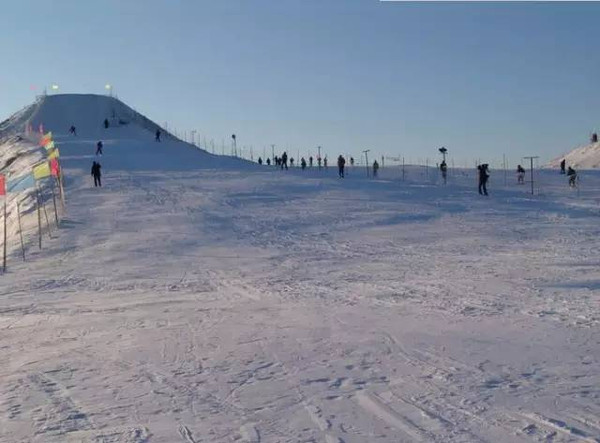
column 257, row 305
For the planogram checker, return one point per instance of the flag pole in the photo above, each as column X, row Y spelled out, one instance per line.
column 4, row 246
column 20, row 228
column 39, row 214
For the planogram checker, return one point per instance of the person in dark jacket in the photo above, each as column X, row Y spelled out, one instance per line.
column 572, row 174
column 96, row 174
column 292, row 162
column 99, row 147
column 310, row 161
column 268, row 162
column 259, row 160
column 284, row 160
column 105, row 123
column 303, row 163
column 157, row 135
column 483, row 178
column 73, row 130
column 375, row 168
column 341, row 161
column 563, row 163
column 520, row 175
column 444, row 170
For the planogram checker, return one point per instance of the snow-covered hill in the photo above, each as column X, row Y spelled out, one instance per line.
column 583, row 157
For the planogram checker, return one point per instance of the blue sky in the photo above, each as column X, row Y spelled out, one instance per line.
column 482, row 79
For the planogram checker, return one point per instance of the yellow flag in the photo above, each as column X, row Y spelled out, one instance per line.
column 49, row 145
column 41, row 171
column 53, row 153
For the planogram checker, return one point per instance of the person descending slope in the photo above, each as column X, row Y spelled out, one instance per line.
column 99, row 147
column 563, row 163
column 341, row 164
column 520, row 175
column 73, row 130
column 444, row 170
column 572, row 174
column 483, row 178
column 157, row 135
column 375, row 168
column 96, row 174
column 105, row 123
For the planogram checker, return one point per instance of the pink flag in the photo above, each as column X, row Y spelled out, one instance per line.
column 2, row 185
column 54, row 167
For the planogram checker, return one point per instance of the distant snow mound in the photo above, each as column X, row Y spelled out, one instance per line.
column 583, row 157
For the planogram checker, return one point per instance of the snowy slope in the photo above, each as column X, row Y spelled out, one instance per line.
column 194, row 303
column 583, row 157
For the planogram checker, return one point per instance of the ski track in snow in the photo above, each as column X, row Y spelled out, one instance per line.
column 254, row 306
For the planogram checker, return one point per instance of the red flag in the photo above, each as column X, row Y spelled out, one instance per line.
column 54, row 167
column 2, row 185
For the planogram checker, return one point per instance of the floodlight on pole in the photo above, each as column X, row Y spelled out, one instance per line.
column 54, row 87
column 108, row 87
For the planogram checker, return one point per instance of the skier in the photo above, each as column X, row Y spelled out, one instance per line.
column 268, row 162
column 260, row 161
column 444, row 169
column 72, row 130
column 325, row 162
column 99, row 147
column 351, row 161
column 303, row 163
column 157, row 135
column 96, row 174
column 341, row 163
column 284, row 159
column 310, row 161
column 292, row 162
column 483, row 178
column 572, row 177
column 594, row 138
column 105, row 123
column 375, row 168
column 520, row 175
column 562, row 166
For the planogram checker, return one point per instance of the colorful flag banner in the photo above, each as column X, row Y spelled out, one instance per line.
column 53, row 153
column 49, row 145
column 47, row 138
column 21, row 183
column 2, row 185
column 41, row 171
column 54, row 167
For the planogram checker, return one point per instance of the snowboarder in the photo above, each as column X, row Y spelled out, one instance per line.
column 483, row 178
column 572, row 174
column 105, row 123
column 268, row 162
column 562, row 166
column 310, row 161
column 325, row 162
column 96, row 174
column 284, row 159
column 375, row 168
column 157, row 135
column 303, row 163
column 444, row 169
column 72, row 130
column 520, row 175
column 99, row 147
column 260, row 161
column 341, row 163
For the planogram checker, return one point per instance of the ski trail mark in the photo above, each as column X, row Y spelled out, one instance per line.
column 249, row 434
column 186, row 434
column 315, row 415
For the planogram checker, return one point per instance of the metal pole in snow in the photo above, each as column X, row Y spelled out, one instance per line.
column 20, row 228
column 4, row 246
column 367, row 160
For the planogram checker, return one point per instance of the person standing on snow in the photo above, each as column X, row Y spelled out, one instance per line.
column 99, row 147
column 73, row 131
column 444, row 169
column 303, row 163
column 563, row 163
column 520, row 175
column 341, row 164
column 157, row 135
column 325, row 162
column 572, row 174
column 484, row 175
column 292, row 162
column 310, row 161
column 375, row 168
column 96, row 174
column 268, row 162
column 105, row 123
column 284, row 161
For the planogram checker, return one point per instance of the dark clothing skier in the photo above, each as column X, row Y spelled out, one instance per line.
column 351, row 161
column 594, row 138
column 99, row 147
column 375, row 168
column 284, row 159
column 72, row 130
column 563, row 163
column 483, row 178
column 268, row 162
column 105, row 123
column 259, row 161
column 157, row 135
column 444, row 169
column 303, row 163
column 325, row 162
column 520, row 175
column 310, row 161
column 96, row 174
column 341, row 161
column 572, row 177
column 292, row 162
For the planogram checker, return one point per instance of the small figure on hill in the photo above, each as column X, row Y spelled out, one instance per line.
column 520, row 175
column 99, row 147
column 325, row 162
column 375, row 168
column 284, row 160
column 276, row 161
column 105, row 123
column 572, row 174
column 319, row 162
column 73, row 130
column 96, row 174
column 563, row 163
column 484, row 175
column 341, row 161
column 292, row 162
column 157, row 135
column 260, row 161
column 594, row 138
column 268, row 162
column 444, row 169
column 351, row 161
column 310, row 161
column 303, row 163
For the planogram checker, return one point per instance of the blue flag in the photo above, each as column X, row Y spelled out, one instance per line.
column 21, row 183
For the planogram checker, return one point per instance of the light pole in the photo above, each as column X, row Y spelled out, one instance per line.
column 193, row 133
column 319, row 156
column 108, row 88
column 273, row 153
